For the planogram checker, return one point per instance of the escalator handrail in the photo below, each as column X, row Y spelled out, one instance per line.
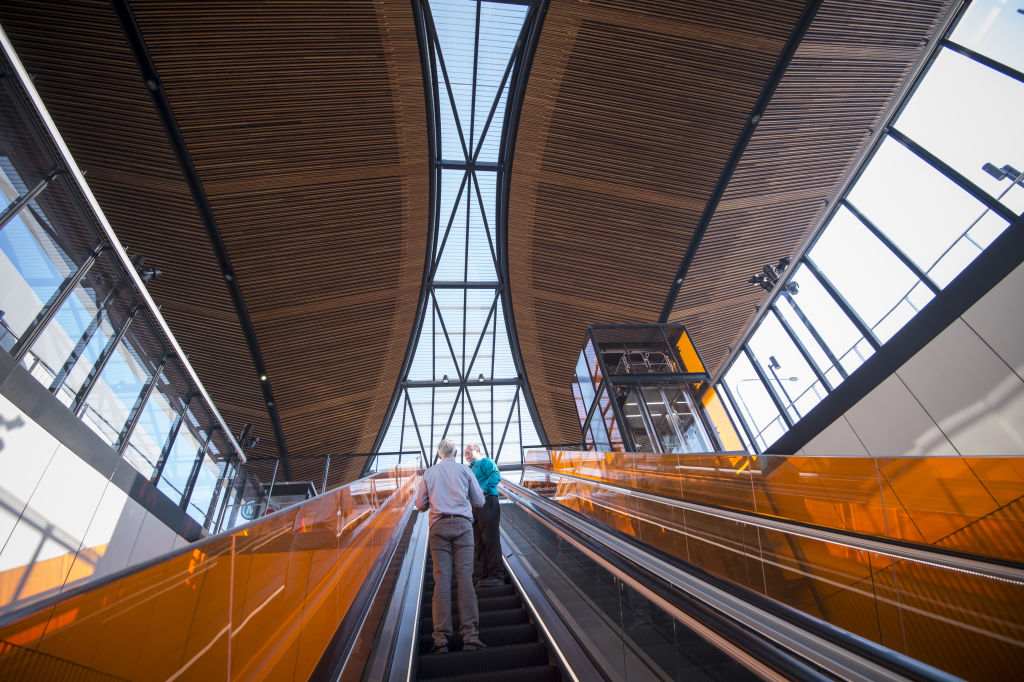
column 938, row 557
column 790, row 641
column 31, row 608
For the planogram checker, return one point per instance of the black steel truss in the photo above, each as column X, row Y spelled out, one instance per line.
column 454, row 362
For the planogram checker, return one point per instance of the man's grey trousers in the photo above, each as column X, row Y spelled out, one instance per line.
column 451, row 549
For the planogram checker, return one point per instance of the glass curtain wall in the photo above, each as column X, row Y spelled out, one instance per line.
column 72, row 316
column 462, row 380
column 942, row 183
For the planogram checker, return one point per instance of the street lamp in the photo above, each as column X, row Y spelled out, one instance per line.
column 750, row 415
column 1000, row 174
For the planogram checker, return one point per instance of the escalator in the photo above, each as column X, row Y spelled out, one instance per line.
column 628, row 635
column 584, row 602
column 339, row 588
column 514, row 645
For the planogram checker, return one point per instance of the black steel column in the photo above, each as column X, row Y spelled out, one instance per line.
column 22, row 201
column 169, row 443
column 140, row 402
column 78, row 406
column 193, row 475
column 53, row 305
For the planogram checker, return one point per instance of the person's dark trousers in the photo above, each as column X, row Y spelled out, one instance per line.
column 487, row 540
column 451, row 551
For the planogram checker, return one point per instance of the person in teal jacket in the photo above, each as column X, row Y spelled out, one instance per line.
column 487, row 568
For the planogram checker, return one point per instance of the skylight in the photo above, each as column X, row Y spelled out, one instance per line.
column 462, row 381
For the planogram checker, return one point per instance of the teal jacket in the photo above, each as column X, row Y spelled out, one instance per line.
column 487, row 475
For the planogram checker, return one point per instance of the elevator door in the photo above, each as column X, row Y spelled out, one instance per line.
column 674, row 420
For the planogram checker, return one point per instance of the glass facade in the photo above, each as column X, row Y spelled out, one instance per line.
column 73, row 316
column 941, row 184
column 462, row 381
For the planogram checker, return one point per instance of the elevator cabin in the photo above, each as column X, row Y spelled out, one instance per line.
column 644, row 388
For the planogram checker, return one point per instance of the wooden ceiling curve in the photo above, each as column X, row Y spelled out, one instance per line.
column 846, row 74
column 306, row 128
column 631, row 114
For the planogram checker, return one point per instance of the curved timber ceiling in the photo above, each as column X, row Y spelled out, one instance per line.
column 631, row 114
column 845, row 75
column 306, row 129
column 628, row 125
column 307, row 132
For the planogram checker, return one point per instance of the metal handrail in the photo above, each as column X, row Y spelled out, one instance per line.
column 798, row 639
column 893, row 548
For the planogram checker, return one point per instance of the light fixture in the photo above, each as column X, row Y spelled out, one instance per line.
column 480, row 378
column 263, row 377
column 444, row 379
column 771, row 274
column 1001, row 173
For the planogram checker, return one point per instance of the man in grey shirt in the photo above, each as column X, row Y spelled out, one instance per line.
column 450, row 490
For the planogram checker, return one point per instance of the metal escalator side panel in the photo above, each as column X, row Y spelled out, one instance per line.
column 589, row 596
column 394, row 648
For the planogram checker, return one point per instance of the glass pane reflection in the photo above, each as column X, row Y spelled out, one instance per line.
column 992, row 28
column 923, row 610
column 209, row 608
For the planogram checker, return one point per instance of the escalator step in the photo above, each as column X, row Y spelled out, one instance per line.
column 503, row 635
column 488, row 619
column 498, row 603
column 539, row 673
column 481, row 592
column 502, row 659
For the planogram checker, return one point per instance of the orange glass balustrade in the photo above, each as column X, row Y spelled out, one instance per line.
column 968, row 624
column 973, row 505
column 259, row 602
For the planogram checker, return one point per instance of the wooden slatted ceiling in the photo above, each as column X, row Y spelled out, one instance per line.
column 630, row 115
column 844, row 76
column 305, row 122
column 91, row 85
column 306, row 126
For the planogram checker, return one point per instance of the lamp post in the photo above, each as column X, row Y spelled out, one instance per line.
column 739, row 394
column 1006, row 171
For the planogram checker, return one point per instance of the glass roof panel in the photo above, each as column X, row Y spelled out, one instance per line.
column 452, row 239
column 468, row 319
column 915, row 205
column 491, row 145
column 451, row 144
column 957, row 89
column 500, row 25
column 481, row 266
column 455, row 21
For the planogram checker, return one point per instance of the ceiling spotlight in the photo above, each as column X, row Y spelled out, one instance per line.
column 263, row 377
column 444, row 379
column 771, row 274
column 480, row 378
